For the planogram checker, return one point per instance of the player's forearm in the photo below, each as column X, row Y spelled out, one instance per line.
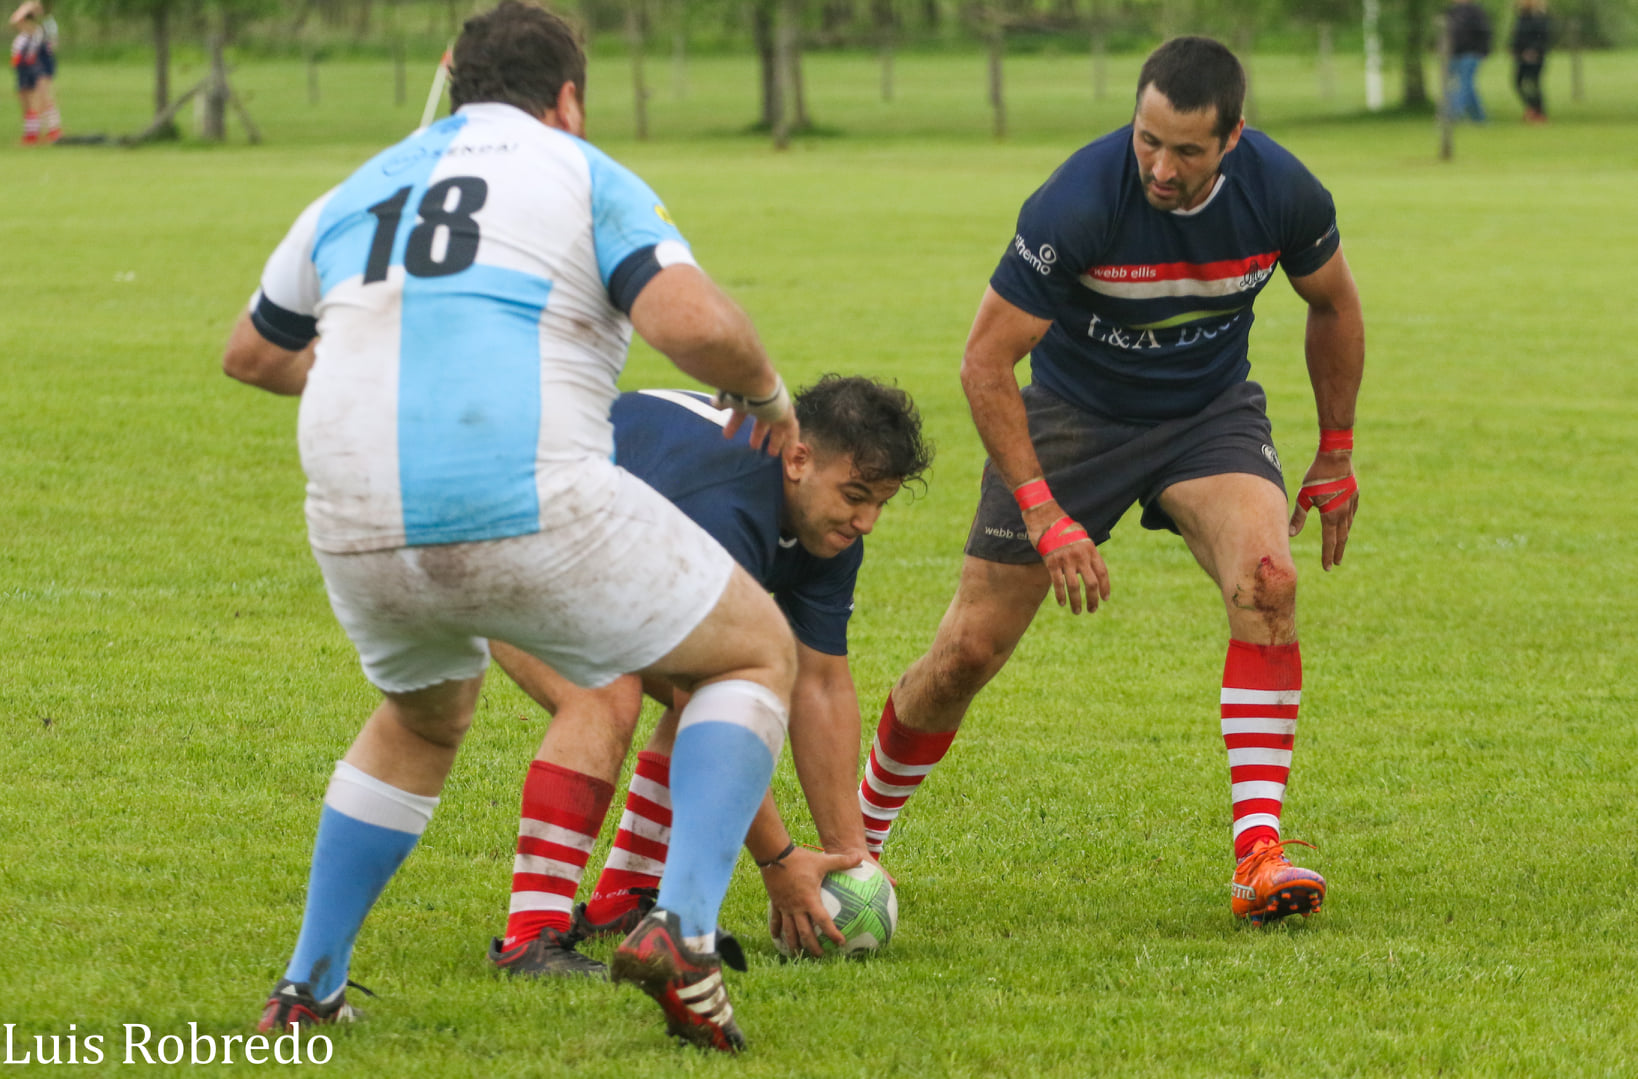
column 768, row 837
column 824, row 735
column 1335, row 346
column 998, row 414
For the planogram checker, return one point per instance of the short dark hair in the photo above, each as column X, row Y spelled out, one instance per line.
column 516, row 54
column 1195, row 74
column 874, row 422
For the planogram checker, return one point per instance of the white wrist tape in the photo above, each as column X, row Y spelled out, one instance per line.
column 770, row 409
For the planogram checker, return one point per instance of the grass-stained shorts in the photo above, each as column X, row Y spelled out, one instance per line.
column 615, row 579
column 1097, row 467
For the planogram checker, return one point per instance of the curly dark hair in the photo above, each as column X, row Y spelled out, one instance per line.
column 874, row 422
column 516, row 54
column 1195, row 74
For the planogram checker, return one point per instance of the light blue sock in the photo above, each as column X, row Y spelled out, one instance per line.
column 365, row 832
column 728, row 738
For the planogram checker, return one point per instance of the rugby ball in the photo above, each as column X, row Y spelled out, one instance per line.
column 862, row 903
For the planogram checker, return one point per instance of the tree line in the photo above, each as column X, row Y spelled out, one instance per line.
column 1403, row 32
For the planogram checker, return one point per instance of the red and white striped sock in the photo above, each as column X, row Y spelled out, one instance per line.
column 563, row 811
column 1262, row 687
column 52, row 121
column 900, row 759
column 31, row 127
column 638, row 857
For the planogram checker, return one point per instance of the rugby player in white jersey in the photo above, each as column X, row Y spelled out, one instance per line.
column 454, row 316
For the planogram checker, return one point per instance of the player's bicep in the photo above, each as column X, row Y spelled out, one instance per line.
column 1329, row 288
column 632, row 233
column 290, row 288
column 1002, row 333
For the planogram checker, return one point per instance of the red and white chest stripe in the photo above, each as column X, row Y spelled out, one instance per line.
column 1153, row 281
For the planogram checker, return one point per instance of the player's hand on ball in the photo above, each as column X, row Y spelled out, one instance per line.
column 1331, row 488
column 1079, row 577
column 796, row 912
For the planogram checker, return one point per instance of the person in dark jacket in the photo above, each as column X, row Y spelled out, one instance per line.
column 1468, row 25
column 1532, row 32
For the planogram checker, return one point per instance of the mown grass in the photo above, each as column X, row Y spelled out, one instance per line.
column 174, row 688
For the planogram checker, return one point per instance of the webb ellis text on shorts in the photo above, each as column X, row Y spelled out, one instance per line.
column 137, row 1043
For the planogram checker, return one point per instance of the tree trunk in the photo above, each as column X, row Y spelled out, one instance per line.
column 1326, row 68
column 1416, row 25
column 1447, row 119
column 639, row 84
column 762, row 29
column 1245, row 36
column 1578, row 86
column 881, row 12
column 784, row 71
column 399, row 77
column 162, row 58
column 1100, row 56
column 216, row 93
column 798, row 85
column 997, row 51
column 679, row 50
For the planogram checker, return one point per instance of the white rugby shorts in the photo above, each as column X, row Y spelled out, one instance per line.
column 617, row 579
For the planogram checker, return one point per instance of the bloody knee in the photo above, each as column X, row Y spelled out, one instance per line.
column 1268, row 594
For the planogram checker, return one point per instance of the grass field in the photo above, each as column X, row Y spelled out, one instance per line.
column 174, row 689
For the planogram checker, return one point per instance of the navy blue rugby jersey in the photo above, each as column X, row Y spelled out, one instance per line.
column 1151, row 309
column 672, row 440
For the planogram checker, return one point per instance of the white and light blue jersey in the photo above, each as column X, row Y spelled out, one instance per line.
column 469, row 289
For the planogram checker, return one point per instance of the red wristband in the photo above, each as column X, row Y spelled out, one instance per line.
column 1331, row 441
column 1061, row 533
column 1032, row 493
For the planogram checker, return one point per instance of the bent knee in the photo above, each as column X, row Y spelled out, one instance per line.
column 965, row 662
column 616, row 706
column 781, row 665
column 1270, row 585
column 1262, row 600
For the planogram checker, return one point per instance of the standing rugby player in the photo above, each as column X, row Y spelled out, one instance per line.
column 1130, row 284
column 471, row 293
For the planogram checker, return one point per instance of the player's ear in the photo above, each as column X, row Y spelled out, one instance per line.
column 798, row 459
column 569, row 114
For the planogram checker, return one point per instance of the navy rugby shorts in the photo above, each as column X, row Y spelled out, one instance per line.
column 1097, row 467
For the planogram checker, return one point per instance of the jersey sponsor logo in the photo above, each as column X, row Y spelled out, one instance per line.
column 1138, row 338
column 479, row 148
column 1041, row 262
column 663, row 214
column 1170, row 279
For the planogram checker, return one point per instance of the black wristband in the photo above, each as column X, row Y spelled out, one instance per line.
column 780, row 857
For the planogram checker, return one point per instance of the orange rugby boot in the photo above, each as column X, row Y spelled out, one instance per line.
column 1267, row 887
